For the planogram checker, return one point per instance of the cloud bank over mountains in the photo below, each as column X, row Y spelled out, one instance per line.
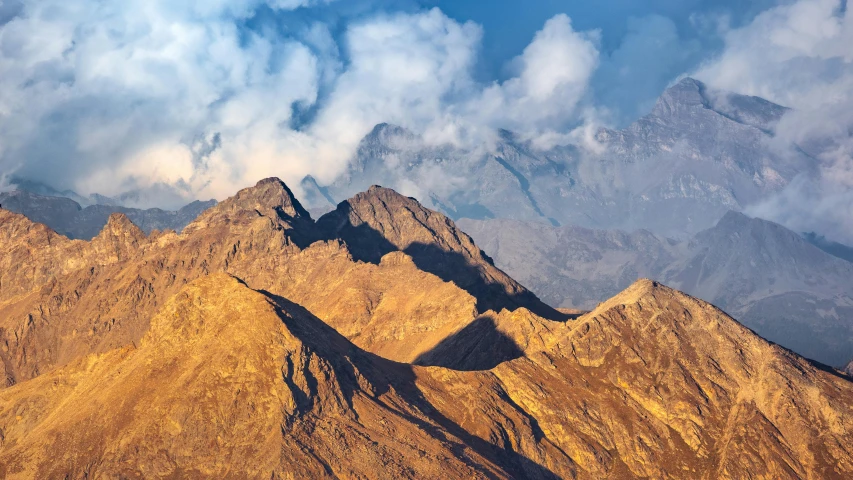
column 206, row 97
column 800, row 55
column 122, row 96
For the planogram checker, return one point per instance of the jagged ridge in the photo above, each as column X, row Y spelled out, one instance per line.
column 653, row 383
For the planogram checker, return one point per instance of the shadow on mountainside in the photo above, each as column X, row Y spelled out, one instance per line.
column 490, row 295
column 363, row 242
column 478, row 346
column 366, row 244
column 349, row 362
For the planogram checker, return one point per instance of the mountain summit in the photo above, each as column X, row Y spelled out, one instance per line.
column 380, row 220
column 690, row 97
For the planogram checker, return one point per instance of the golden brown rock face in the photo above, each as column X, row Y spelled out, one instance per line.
column 380, row 221
column 240, row 349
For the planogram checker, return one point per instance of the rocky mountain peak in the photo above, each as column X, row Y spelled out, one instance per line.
column 684, row 95
column 764, row 232
column 316, row 197
column 395, row 222
column 271, row 193
column 119, row 225
column 690, row 94
column 119, row 239
column 380, row 221
column 639, row 291
column 270, row 198
column 17, row 229
column 734, row 220
column 384, row 132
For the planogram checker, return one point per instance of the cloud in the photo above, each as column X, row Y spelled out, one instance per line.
column 799, row 55
column 650, row 55
column 5, row 185
column 108, row 97
column 128, row 96
column 403, row 69
column 552, row 79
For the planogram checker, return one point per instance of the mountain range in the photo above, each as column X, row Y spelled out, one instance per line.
column 658, row 200
column 697, row 155
column 69, row 218
column 378, row 341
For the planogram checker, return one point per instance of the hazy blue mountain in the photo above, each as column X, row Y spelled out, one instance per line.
column 675, row 172
column 44, row 190
column 763, row 274
column 569, row 266
column 160, row 194
column 775, row 282
column 75, row 221
column 317, row 197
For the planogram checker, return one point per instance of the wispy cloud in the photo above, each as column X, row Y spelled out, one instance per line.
column 801, row 55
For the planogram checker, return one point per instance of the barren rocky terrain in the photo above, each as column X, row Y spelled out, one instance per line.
column 377, row 342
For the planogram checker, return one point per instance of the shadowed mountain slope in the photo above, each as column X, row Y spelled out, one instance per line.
column 380, row 220
column 249, row 397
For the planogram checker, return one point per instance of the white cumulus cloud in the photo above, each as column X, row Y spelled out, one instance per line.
column 115, row 96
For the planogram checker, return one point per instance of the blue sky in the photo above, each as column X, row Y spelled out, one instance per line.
column 509, row 25
column 206, row 96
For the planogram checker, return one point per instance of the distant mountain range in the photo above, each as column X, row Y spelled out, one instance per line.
column 161, row 194
column 69, row 218
column 675, row 172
